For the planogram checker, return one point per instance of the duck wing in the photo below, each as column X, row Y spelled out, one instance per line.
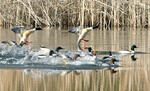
column 18, row 29
column 76, row 30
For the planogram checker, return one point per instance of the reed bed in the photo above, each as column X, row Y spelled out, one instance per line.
column 64, row 13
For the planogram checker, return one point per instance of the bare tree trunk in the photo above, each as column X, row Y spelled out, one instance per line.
column 82, row 13
column 148, row 16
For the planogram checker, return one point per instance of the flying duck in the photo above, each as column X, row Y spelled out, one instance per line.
column 24, row 33
column 82, row 32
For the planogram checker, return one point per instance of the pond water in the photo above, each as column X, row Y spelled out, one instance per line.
column 133, row 73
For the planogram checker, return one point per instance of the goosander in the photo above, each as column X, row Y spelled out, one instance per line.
column 44, row 51
column 110, row 57
column 24, row 33
column 129, row 52
column 110, row 62
column 82, row 32
column 69, row 59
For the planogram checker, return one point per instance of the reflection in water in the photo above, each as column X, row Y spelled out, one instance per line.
column 92, row 80
column 133, row 58
column 42, row 72
column 131, row 76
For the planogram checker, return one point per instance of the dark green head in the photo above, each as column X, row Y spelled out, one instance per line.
column 51, row 52
column 89, row 49
column 58, row 48
column 96, row 26
column 38, row 28
column 132, row 47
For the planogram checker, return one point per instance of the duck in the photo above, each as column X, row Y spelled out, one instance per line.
column 41, row 54
column 24, row 33
column 108, row 63
column 48, row 52
column 44, row 51
column 132, row 51
column 67, row 58
column 82, row 32
column 106, row 59
column 90, row 56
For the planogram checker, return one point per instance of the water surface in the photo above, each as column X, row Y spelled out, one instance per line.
column 133, row 75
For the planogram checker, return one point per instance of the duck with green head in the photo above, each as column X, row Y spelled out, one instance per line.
column 132, row 51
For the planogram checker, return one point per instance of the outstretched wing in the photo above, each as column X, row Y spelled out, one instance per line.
column 18, row 29
column 76, row 30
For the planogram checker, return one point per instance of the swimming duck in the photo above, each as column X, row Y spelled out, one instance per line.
column 69, row 59
column 129, row 52
column 48, row 52
column 82, row 32
column 106, row 59
column 110, row 62
column 44, row 51
column 24, row 33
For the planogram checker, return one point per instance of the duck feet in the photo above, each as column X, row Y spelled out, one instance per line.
column 28, row 42
column 84, row 47
column 84, row 41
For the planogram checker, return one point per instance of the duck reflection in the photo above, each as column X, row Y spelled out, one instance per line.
column 42, row 72
column 133, row 58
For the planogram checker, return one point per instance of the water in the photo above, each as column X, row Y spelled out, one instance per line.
column 132, row 75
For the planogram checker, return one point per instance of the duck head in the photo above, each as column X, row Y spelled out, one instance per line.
column 112, row 61
column 38, row 28
column 89, row 49
column 96, row 26
column 51, row 52
column 58, row 48
column 76, row 56
column 133, row 47
column 94, row 53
